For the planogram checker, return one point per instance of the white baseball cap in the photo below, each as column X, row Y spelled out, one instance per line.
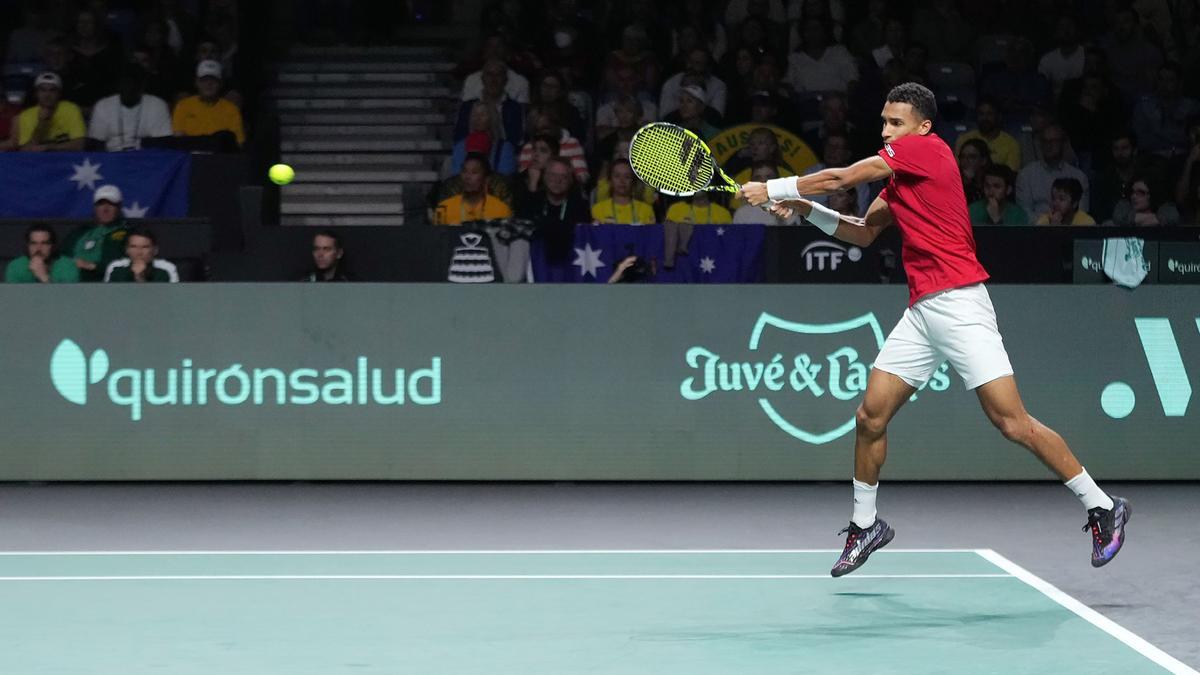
column 107, row 193
column 50, row 79
column 208, row 68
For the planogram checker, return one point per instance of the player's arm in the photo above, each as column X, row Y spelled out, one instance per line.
column 857, row 231
column 822, row 182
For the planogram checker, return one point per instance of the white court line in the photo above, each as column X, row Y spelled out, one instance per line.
column 733, row 551
column 1090, row 615
column 486, row 577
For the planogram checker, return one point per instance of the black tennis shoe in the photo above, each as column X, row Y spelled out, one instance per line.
column 861, row 543
column 1108, row 530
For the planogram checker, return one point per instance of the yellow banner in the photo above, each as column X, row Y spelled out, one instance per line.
column 796, row 153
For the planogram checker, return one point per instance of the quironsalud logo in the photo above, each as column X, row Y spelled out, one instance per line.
column 810, row 393
column 73, row 373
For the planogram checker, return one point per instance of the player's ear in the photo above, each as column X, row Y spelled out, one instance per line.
column 925, row 127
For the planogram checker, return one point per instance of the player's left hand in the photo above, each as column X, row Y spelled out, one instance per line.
column 755, row 194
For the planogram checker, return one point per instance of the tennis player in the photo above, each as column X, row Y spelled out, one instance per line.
column 949, row 317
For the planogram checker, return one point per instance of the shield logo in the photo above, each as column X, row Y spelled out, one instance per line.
column 817, row 408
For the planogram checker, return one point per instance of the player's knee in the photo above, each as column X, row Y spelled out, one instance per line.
column 868, row 423
column 1016, row 428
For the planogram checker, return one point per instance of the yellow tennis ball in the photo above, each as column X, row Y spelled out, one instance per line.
column 281, row 174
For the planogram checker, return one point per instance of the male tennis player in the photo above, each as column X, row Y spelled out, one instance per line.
column 950, row 316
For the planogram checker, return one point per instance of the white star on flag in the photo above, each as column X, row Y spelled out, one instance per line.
column 707, row 265
column 720, row 232
column 135, row 210
column 86, row 174
column 588, row 260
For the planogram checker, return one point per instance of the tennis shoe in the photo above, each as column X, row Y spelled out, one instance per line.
column 861, row 543
column 1108, row 530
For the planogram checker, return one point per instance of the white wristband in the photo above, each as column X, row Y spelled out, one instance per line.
column 779, row 189
column 824, row 218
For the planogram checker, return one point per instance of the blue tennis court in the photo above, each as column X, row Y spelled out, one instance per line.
column 611, row 611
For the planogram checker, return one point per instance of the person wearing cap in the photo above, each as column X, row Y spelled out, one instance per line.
column 41, row 262
column 96, row 246
column 122, row 120
column 699, row 65
column 141, row 262
column 207, row 113
column 52, row 124
column 690, row 116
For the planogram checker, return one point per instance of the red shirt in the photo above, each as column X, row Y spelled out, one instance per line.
column 926, row 199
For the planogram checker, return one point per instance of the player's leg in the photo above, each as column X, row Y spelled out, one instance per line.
column 963, row 326
column 1107, row 515
column 905, row 362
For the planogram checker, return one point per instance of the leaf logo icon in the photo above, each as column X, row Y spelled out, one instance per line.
column 70, row 372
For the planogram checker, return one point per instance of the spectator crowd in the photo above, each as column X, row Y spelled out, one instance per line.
column 106, row 75
column 1062, row 113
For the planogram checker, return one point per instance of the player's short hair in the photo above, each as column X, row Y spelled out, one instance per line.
column 337, row 239
column 1003, row 172
column 1071, row 186
column 922, row 100
column 143, row 232
column 38, row 227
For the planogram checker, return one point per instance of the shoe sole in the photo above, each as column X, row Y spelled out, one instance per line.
column 1128, row 517
column 887, row 538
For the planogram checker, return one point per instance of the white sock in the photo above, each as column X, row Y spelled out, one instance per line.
column 1088, row 492
column 864, row 504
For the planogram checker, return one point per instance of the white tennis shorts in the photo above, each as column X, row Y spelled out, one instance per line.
column 956, row 325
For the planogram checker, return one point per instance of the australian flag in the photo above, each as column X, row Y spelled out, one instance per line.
column 715, row 254
column 154, row 183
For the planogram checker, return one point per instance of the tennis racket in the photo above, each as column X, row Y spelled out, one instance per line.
column 676, row 162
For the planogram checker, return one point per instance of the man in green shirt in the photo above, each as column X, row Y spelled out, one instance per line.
column 997, row 206
column 95, row 247
column 141, row 261
column 42, row 263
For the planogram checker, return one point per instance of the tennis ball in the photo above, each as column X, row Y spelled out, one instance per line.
column 281, row 174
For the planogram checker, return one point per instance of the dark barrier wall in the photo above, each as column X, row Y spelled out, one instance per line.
column 415, row 381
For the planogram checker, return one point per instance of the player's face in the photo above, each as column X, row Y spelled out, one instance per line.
column 622, row 180
column 995, row 188
column 1060, row 201
column 105, row 212
column 900, row 120
column 472, row 177
column 325, row 252
column 38, row 245
column 140, row 249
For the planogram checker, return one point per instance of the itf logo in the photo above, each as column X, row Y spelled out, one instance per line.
column 1166, row 367
column 812, row 393
column 826, row 255
column 73, row 373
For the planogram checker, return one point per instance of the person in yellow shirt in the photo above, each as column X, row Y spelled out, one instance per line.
column 52, row 124
column 1004, row 148
column 1065, row 195
column 681, row 219
column 207, row 113
column 621, row 207
column 474, row 203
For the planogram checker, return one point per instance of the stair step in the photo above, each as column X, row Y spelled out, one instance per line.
column 390, row 66
column 380, row 144
column 372, row 175
column 303, row 205
column 341, row 221
column 352, row 159
column 304, row 51
column 304, row 103
column 349, row 119
column 381, row 91
column 342, row 190
column 359, row 78
column 363, row 130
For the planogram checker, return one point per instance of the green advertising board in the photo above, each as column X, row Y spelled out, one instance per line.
column 565, row 382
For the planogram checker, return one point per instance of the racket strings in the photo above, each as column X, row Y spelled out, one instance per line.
column 668, row 159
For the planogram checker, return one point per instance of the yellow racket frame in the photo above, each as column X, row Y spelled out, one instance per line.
column 676, row 162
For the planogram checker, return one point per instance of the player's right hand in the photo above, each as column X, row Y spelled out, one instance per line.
column 754, row 193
